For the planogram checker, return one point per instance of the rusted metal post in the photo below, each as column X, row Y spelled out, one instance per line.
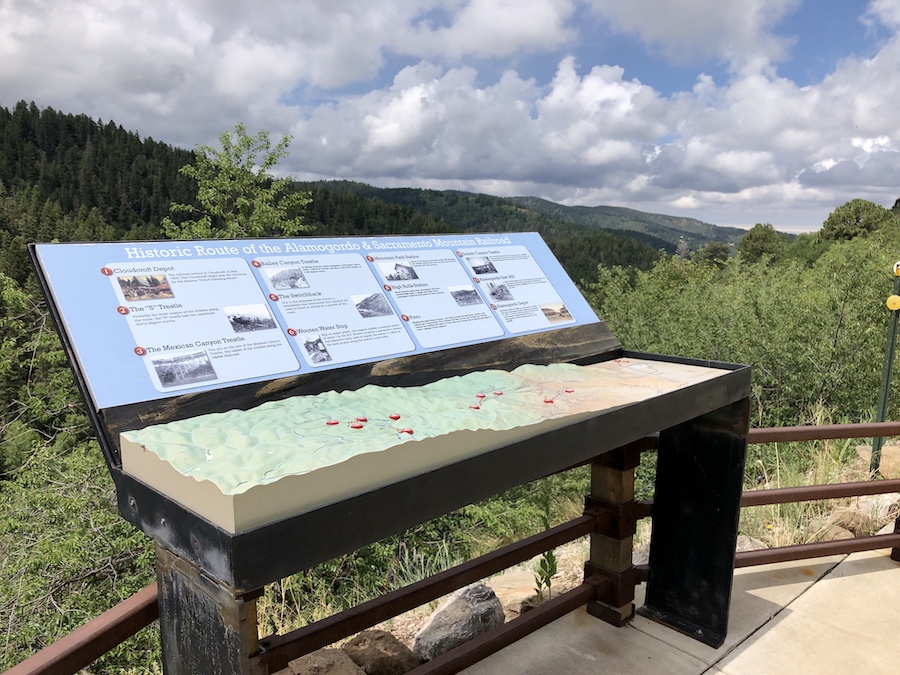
column 206, row 628
column 612, row 487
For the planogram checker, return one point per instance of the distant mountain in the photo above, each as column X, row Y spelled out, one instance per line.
column 346, row 207
column 670, row 229
column 76, row 179
column 472, row 211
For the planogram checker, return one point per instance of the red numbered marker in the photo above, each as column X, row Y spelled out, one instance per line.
column 140, row 351
column 121, row 309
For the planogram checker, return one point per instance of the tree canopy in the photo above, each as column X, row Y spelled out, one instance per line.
column 855, row 218
column 714, row 252
column 237, row 196
column 761, row 240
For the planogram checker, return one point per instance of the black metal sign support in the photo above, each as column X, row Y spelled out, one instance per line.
column 696, row 510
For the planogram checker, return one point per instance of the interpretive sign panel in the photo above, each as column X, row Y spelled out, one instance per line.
column 149, row 320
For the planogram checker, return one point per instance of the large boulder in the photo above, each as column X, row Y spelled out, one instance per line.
column 378, row 652
column 515, row 589
column 465, row 615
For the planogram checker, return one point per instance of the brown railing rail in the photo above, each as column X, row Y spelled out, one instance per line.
column 86, row 644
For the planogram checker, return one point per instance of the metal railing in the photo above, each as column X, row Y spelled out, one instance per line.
column 94, row 639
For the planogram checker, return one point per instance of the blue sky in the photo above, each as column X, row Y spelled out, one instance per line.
column 730, row 111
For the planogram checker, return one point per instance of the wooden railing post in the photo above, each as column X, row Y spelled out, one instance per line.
column 612, row 487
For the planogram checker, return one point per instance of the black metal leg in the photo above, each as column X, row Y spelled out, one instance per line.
column 895, row 552
column 205, row 628
column 696, row 510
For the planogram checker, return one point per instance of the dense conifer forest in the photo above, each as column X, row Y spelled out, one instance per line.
column 807, row 313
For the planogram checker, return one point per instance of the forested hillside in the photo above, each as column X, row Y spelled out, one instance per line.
column 108, row 183
column 579, row 247
column 655, row 226
column 807, row 313
column 78, row 163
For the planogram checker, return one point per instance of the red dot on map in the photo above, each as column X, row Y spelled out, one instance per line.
column 331, row 423
column 406, row 431
column 475, row 406
column 498, row 393
column 548, row 400
column 362, row 418
column 356, row 425
column 569, row 391
column 394, row 416
column 479, row 395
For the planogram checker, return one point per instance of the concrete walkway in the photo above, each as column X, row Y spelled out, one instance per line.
column 824, row 616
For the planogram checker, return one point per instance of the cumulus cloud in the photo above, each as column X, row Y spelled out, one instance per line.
column 443, row 124
column 886, row 12
column 736, row 31
column 444, row 93
column 493, row 28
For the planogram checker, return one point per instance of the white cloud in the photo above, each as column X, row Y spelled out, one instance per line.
column 442, row 93
column 736, row 31
column 886, row 12
column 494, row 28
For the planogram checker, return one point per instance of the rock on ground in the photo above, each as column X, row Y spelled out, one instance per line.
column 324, row 662
column 378, row 652
column 465, row 615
